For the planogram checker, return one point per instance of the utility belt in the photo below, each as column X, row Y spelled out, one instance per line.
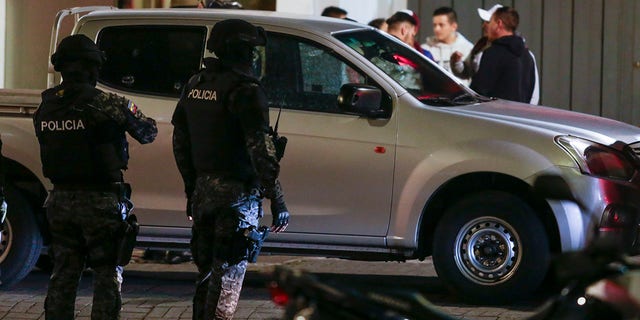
column 123, row 190
column 248, row 185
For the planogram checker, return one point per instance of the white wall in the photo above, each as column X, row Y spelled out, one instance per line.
column 3, row 30
column 362, row 11
column 26, row 43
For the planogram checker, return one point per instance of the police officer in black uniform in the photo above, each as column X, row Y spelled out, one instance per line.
column 84, row 149
column 228, row 163
column 3, row 203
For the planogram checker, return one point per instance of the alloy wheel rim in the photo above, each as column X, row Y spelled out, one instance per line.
column 6, row 239
column 488, row 250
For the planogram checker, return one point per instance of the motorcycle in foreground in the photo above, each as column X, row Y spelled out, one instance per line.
column 597, row 283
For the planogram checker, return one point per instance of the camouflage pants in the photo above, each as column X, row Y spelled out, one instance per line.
column 221, row 211
column 85, row 227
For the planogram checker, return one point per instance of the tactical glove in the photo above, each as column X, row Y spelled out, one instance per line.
column 280, row 215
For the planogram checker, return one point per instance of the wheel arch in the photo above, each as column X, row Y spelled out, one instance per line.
column 34, row 191
column 458, row 187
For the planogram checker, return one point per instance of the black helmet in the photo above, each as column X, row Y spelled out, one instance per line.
column 77, row 47
column 234, row 31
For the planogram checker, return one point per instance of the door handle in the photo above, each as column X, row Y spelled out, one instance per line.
column 637, row 64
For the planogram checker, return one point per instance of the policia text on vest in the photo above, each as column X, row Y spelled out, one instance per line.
column 203, row 94
column 62, row 125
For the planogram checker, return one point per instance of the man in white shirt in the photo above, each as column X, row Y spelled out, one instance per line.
column 446, row 39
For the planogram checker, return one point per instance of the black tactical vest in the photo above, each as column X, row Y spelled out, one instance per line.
column 218, row 142
column 79, row 143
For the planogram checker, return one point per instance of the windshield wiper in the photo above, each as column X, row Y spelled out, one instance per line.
column 465, row 98
column 438, row 101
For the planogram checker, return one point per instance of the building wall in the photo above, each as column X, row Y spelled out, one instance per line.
column 362, row 11
column 28, row 36
column 588, row 54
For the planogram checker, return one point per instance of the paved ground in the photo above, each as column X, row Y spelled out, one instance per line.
column 154, row 291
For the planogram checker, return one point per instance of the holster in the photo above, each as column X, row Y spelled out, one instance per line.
column 130, row 226
column 128, row 241
column 255, row 239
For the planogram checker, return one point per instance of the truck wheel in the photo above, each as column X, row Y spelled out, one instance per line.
column 21, row 241
column 491, row 248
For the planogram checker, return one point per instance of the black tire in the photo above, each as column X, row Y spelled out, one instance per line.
column 511, row 249
column 21, row 240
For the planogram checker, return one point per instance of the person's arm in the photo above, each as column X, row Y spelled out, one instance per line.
column 461, row 68
column 464, row 69
column 142, row 128
column 139, row 126
column 249, row 103
column 182, row 150
column 484, row 81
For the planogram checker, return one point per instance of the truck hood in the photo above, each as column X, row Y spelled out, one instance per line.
column 562, row 122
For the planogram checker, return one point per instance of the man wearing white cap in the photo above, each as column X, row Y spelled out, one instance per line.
column 467, row 68
column 506, row 70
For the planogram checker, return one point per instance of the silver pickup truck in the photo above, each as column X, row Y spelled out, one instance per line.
column 389, row 156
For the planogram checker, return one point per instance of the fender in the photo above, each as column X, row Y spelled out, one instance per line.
column 418, row 186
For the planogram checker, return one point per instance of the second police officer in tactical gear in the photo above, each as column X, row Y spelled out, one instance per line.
column 83, row 148
column 227, row 159
column 3, row 203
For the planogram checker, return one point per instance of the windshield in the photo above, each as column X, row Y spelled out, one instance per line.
column 408, row 68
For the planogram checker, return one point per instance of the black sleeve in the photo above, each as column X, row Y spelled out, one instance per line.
column 249, row 103
column 484, row 81
column 182, row 149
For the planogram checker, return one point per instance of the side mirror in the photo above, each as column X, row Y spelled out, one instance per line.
column 361, row 99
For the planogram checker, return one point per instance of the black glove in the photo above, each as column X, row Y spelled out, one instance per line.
column 280, row 215
column 3, row 212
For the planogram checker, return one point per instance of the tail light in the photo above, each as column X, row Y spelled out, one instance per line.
column 618, row 216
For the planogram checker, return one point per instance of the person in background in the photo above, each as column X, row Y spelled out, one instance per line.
column 379, row 23
column 507, row 70
column 187, row 4
column 466, row 68
column 446, row 39
column 334, row 12
column 402, row 25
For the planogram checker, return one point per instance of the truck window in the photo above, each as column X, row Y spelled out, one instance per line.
column 156, row 60
column 299, row 74
column 407, row 67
